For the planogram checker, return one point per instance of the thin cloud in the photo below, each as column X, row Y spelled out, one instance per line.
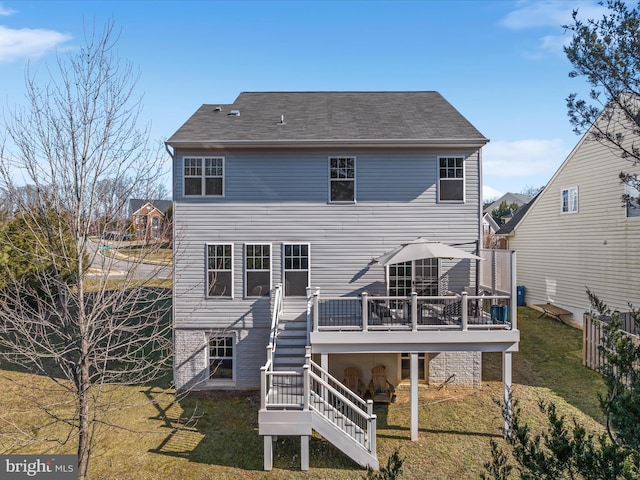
column 549, row 13
column 28, row 43
column 523, row 158
column 490, row 193
column 4, row 12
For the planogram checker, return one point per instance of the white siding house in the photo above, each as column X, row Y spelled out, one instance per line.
column 283, row 201
column 578, row 234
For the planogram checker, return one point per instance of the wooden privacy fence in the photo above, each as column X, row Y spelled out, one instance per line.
column 594, row 330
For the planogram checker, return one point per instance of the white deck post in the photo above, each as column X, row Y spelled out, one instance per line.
column 514, row 288
column 506, row 380
column 464, row 303
column 268, row 452
column 304, row 452
column 414, row 396
column 365, row 311
column 414, row 311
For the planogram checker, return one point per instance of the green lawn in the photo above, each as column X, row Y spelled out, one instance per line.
column 215, row 436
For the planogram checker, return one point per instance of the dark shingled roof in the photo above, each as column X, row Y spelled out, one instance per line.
column 328, row 117
column 136, row 204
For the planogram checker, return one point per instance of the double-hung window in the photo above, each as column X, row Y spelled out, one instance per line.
column 632, row 195
column 203, row 176
column 342, row 179
column 219, row 270
column 569, row 200
column 257, row 260
column 221, row 356
column 451, row 179
column 296, row 269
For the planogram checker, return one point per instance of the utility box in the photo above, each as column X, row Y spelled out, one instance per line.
column 520, row 295
column 499, row 313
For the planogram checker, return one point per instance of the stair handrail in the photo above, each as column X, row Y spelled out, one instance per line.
column 276, row 312
column 358, row 411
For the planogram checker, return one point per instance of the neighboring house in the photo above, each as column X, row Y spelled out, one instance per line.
column 149, row 218
column 509, row 198
column 285, row 206
column 489, row 229
column 578, row 234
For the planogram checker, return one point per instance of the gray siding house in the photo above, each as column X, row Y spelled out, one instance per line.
column 285, row 204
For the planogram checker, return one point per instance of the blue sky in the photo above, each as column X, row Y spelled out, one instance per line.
column 499, row 62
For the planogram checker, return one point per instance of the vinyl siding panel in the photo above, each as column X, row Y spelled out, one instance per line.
column 282, row 197
column 560, row 255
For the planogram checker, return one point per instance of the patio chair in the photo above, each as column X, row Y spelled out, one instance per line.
column 380, row 389
column 352, row 381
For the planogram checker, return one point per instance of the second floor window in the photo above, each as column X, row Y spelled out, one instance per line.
column 633, row 206
column 342, row 179
column 219, row 270
column 569, row 200
column 451, row 179
column 203, row 176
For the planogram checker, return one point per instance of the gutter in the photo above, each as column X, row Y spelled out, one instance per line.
column 310, row 143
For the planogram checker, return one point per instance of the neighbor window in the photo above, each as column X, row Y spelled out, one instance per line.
column 451, row 179
column 257, row 260
column 632, row 194
column 221, row 357
column 569, row 200
column 219, row 270
column 203, row 176
column 296, row 269
column 342, row 175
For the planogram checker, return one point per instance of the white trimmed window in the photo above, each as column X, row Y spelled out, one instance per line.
column 257, row 264
column 296, row 269
column 451, row 179
column 632, row 194
column 569, row 200
column 221, row 357
column 203, row 176
column 342, row 179
column 219, row 270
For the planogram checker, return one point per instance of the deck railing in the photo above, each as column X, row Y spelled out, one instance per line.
column 414, row 312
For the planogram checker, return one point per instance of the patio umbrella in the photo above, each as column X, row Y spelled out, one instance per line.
column 422, row 248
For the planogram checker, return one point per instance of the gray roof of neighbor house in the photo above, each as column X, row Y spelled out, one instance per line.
column 321, row 118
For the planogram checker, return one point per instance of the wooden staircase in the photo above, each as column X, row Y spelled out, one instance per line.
column 298, row 396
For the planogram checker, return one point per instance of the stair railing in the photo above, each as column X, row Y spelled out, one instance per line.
column 342, row 407
column 266, row 372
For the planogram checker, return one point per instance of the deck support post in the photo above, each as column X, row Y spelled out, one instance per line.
column 506, row 380
column 414, row 396
column 304, row 452
column 268, row 452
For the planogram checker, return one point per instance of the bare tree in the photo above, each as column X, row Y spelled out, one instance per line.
column 66, row 319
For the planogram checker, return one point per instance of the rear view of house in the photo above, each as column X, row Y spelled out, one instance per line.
column 289, row 210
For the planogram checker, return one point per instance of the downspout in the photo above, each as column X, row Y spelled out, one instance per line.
column 173, row 260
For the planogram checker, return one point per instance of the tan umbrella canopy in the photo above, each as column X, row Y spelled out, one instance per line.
column 422, row 248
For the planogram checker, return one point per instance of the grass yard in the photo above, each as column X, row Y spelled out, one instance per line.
column 215, row 436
